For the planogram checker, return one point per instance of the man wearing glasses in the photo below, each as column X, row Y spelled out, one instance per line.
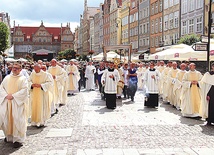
column 13, row 99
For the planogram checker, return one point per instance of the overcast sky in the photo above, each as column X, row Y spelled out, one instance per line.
column 52, row 12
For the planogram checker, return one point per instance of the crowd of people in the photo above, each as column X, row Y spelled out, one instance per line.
column 36, row 91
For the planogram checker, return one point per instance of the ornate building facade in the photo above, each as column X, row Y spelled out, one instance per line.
column 41, row 42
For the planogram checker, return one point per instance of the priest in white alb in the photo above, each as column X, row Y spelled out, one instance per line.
column 13, row 99
column 57, row 74
column 191, row 95
column 151, row 79
column 89, row 75
column 178, row 85
column 73, row 78
column 40, row 83
column 170, row 84
column 110, row 79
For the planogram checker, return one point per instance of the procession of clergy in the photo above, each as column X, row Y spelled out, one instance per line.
column 39, row 95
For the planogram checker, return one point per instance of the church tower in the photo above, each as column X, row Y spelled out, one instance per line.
column 85, row 5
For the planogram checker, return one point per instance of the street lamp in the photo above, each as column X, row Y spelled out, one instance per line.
column 209, row 32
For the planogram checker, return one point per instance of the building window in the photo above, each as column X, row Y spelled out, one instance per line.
column 156, row 26
column 156, row 7
column 176, row 20
column 199, row 4
column 199, row 24
column 152, row 27
column 152, row 10
column 184, row 28
column 176, row 2
column 160, row 21
column 170, row 3
column 156, row 41
column 191, row 5
column 133, row 4
column 184, row 7
column 161, row 6
column 171, row 21
column 165, row 4
column 191, row 26
column 165, row 22
column 152, row 42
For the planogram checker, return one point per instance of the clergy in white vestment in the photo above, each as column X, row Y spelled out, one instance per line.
column 160, row 68
column 178, row 85
column 170, row 84
column 191, row 95
column 40, row 83
column 73, row 78
column 125, row 77
column 164, row 76
column 13, row 99
column 140, row 74
column 50, row 91
column 57, row 74
column 64, row 83
column 120, row 84
column 109, row 79
column 207, row 94
column 151, row 79
column 89, row 75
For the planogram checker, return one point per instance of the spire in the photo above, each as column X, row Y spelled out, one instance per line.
column 85, row 5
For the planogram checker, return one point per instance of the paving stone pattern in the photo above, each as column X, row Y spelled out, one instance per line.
column 85, row 127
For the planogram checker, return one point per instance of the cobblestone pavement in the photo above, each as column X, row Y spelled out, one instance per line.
column 85, row 127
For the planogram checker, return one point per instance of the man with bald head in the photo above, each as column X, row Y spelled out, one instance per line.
column 178, row 85
column 190, row 96
column 57, row 74
column 164, row 76
column 170, row 84
column 40, row 83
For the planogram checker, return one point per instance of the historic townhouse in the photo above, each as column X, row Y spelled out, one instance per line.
column 98, row 30
column 156, row 24
column 133, row 27
column 41, row 42
column 192, row 17
column 115, row 27
column 88, row 13
column 125, row 11
column 171, row 16
column 106, row 22
column 144, row 27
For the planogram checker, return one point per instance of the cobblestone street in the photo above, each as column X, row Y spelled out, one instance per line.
column 85, row 127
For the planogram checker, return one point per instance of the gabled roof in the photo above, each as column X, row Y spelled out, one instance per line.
column 29, row 31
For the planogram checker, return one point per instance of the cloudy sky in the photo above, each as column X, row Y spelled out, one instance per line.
column 52, row 12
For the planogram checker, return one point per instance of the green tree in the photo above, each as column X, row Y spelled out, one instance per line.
column 4, row 34
column 67, row 54
column 189, row 39
column 83, row 57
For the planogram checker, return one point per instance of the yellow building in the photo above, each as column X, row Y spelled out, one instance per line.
column 115, row 27
column 125, row 10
